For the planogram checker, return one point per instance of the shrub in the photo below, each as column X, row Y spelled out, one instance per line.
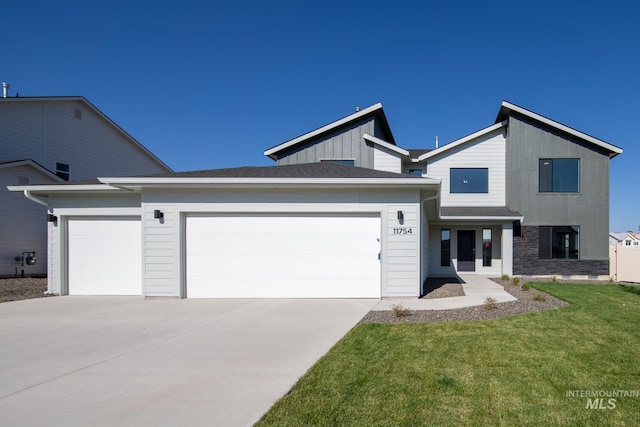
column 539, row 298
column 515, row 281
column 400, row 311
column 505, row 277
column 490, row 304
column 554, row 279
column 525, row 286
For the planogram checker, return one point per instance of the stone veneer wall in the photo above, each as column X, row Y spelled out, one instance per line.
column 526, row 261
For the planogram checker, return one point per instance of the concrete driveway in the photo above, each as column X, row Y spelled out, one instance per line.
column 78, row 361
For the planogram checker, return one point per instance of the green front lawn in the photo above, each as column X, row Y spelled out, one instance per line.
column 511, row 371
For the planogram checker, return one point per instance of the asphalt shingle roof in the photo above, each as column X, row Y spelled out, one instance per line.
column 306, row 170
column 472, row 211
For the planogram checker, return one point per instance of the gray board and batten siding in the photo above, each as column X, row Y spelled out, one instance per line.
column 530, row 141
column 344, row 142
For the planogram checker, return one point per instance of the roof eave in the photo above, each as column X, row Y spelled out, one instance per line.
column 461, row 141
column 506, row 108
column 270, row 182
column 272, row 152
column 386, row 145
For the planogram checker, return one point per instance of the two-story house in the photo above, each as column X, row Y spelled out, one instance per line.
column 345, row 212
column 47, row 140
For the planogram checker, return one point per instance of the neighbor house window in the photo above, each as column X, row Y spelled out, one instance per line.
column 445, row 247
column 559, row 175
column 346, row 162
column 62, row 170
column 415, row 172
column 559, row 242
column 469, row 180
column 486, row 247
column 627, row 242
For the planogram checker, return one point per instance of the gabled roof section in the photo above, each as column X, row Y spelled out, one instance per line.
column 91, row 107
column 28, row 162
column 385, row 144
column 507, row 109
column 375, row 109
column 461, row 141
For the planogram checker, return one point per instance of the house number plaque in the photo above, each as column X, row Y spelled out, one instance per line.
column 403, row 230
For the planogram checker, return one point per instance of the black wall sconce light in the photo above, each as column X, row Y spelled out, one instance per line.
column 400, row 216
column 158, row 214
column 52, row 218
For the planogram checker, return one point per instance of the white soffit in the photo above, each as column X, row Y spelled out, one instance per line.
column 385, row 144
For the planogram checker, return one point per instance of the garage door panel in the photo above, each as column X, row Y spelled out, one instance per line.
column 283, row 257
column 104, row 256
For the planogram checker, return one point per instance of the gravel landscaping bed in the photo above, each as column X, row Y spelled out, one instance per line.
column 15, row 289
column 529, row 301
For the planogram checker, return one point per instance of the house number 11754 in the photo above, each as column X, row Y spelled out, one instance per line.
column 403, row 230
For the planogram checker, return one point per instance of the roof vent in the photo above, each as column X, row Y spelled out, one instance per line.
column 357, row 109
column 5, row 89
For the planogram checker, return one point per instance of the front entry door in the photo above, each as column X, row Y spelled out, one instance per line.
column 466, row 250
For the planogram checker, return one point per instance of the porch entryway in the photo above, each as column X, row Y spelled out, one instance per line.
column 466, row 250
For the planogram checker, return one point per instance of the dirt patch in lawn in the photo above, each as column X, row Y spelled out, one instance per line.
column 15, row 289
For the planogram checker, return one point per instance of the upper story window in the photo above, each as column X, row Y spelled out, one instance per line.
column 415, row 172
column 346, row 162
column 559, row 175
column 469, row 180
column 62, row 170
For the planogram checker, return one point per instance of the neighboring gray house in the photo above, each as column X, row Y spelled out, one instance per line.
column 344, row 213
column 47, row 140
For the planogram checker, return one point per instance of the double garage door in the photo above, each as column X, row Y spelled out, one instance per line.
column 283, row 256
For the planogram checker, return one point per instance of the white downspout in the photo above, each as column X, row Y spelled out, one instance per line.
column 33, row 198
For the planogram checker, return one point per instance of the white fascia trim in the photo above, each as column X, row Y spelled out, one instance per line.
column 43, row 189
column 482, row 218
column 257, row 182
column 385, row 144
column 562, row 127
column 323, row 129
column 462, row 140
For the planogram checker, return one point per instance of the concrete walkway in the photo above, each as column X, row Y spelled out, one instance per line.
column 476, row 288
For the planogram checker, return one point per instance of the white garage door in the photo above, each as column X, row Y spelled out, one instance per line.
column 105, row 256
column 283, row 256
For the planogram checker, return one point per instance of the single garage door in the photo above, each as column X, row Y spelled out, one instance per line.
column 283, row 256
column 105, row 256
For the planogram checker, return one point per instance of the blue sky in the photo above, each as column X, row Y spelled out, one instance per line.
column 213, row 84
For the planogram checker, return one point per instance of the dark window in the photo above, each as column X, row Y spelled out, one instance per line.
column 62, row 170
column 559, row 242
column 559, row 175
column 415, row 172
column 346, row 162
column 445, row 247
column 486, row 247
column 469, row 180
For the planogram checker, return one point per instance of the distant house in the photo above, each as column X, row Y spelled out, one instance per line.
column 51, row 140
column 627, row 238
column 345, row 212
